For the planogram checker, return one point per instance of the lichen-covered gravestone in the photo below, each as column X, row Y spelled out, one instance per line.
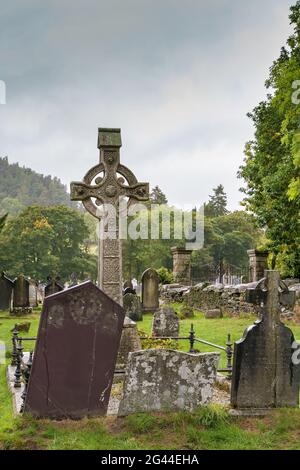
column 165, row 323
column 265, row 372
column 6, row 288
column 168, row 380
column 75, row 355
column 150, row 293
column 132, row 306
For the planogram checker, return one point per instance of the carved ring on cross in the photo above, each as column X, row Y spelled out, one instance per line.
column 112, row 180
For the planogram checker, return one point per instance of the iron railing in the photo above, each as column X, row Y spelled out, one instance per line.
column 228, row 348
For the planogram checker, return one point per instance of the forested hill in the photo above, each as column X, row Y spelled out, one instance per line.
column 21, row 187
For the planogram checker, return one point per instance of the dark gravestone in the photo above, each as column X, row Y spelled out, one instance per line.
column 21, row 292
column 133, row 307
column 6, row 288
column 75, row 355
column 53, row 286
column 265, row 373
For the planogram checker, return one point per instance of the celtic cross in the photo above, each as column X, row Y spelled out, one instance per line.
column 106, row 183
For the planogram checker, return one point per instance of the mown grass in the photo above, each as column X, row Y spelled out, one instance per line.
column 208, row 428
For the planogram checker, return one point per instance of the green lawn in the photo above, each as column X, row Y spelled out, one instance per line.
column 208, row 428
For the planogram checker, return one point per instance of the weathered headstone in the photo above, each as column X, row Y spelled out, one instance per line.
column 6, row 289
column 264, row 372
column 75, row 355
column 21, row 296
column 165, row 323
column 150, row 292
column 181, row 265
column 53, row 286
column 130, row 342
column 106, row 183
column 213, row 313
column 33, row 302
column 168, row 380
column 133, row 307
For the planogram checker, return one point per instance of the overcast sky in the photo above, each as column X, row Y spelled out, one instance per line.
column 178, row 77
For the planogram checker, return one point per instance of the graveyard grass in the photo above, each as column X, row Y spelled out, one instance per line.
column 208, row 428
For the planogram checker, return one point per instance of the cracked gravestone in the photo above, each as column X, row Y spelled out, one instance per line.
column 168, row 380
column 75, row 354
column 265, row 374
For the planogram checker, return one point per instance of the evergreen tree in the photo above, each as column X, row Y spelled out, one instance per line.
column 157, row 196
column 217, row 204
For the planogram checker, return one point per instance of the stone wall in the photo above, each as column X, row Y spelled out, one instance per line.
column 228, row 298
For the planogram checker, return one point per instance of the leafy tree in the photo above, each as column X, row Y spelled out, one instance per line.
column 45, row 239
column 272, row 160
column 226, row 241
column 217, row 204
column 165, row 276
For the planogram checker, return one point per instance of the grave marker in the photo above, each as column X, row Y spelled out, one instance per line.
column 75, row 355
column 150, row 293
column 165, row 323
column 168, row 380
column 264, row 374
column 6, row 289
column 106, row 183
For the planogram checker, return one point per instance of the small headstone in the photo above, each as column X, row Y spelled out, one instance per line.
column 150, row 292
column 130, row 342
column 168, row 380
column 165, row 323
column 265, row 373
column 6, row 289
column 75, row 354
column 186, row 312
column 53, row 286
column 33, row 302
column 133, row 307
column 213, row 313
